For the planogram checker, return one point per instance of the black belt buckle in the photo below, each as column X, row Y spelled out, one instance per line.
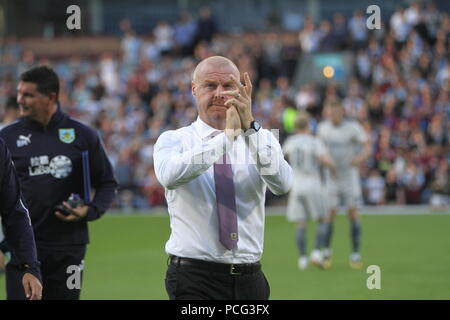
column 233, row 270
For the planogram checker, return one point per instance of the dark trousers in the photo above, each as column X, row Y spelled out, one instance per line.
column 59, row 280
column 193, row 283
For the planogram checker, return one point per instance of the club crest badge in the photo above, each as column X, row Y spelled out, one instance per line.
column 67, row 135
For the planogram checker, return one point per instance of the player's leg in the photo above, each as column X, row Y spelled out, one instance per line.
column 329, row 222
column 355, row 235
column 328, row 227
column 333, row 196
column 319, row 210
column 353, row 200
column 322, row 235
column 296, row 212
column 301, row 241
column 317, row 254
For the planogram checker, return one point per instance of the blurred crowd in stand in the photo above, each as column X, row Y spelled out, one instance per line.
column 399, row 92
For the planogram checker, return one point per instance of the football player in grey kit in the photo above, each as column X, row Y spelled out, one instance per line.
column 349, row 147
column 307, row 154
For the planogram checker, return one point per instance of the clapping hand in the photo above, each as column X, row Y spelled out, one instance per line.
column 241, row 99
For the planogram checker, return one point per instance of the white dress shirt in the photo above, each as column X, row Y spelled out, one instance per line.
column 184, row 161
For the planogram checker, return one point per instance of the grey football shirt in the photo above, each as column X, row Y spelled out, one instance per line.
column 304, row 151
column 343, row 141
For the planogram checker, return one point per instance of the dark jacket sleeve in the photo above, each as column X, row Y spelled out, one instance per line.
column 102, row 180
column 15, row 217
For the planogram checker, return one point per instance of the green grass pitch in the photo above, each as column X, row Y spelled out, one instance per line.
column 126, row 259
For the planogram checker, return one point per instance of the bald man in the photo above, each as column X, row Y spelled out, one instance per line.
column 215, row 173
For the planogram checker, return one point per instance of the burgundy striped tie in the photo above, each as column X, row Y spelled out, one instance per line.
column 226, row 203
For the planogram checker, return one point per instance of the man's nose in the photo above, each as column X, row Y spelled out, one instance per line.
column 218, row 93
column 20, row 99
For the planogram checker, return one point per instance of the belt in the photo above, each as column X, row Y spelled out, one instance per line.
column 232, row 269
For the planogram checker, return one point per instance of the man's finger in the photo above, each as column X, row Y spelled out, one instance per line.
column 36, row 291
column 248, row 84
column 70, row 209
column 241, row 88
column 237, row 82
column 33, row 291
column 233, row 93
column 232, row 110
column 27, row 289
column 60, row 215
column 237, row 104
column 65, row 218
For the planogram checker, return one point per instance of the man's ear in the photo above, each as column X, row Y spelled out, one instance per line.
column 52, row 96
column 193, row 87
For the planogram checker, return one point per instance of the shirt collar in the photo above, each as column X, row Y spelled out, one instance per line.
column 204, row 129
column 54, row 120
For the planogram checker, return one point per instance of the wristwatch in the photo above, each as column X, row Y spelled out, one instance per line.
column 254, row 127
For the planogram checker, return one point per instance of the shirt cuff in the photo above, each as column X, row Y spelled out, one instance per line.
column 34, row 269
column 92, row 214
column 258, row 144
column 265, row 151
